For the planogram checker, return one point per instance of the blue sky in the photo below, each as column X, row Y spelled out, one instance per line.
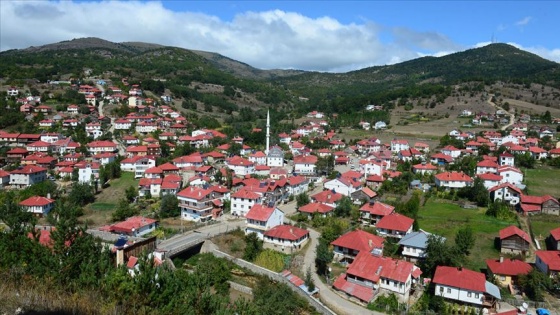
column 311, row 35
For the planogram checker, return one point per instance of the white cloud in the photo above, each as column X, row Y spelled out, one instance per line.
column 266, row 40
column 524, row 21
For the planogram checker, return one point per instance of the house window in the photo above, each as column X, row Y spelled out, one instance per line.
column 469, row 294
column 441, row 289
column 448, row 290
column 503, row 278
column 477, row 295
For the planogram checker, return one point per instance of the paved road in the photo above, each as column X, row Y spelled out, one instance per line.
column 201, row 233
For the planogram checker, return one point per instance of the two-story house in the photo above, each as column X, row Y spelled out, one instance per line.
column 347, row 246
column 25, row 176
column 370, row 275
column 243, row 200
column 394, row 225
column 285, row 238
column 262, row 218
column 372, row 212
column 38, row 205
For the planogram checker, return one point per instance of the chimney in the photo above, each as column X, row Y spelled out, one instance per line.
column 291, row 231
column 49, row 196
column 501, row 259
column 370, row 243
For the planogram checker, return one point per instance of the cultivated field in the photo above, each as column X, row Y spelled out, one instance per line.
column 543, row 181
column 445, row 219
column 99, row 212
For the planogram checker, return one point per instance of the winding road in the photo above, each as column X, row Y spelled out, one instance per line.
column 511, row 116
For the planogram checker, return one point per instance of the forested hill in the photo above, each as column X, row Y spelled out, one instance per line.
column 427, row 77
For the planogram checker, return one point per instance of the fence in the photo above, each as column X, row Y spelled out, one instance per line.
column 318, row 305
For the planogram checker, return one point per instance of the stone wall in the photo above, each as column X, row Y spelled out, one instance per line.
column 318, row 305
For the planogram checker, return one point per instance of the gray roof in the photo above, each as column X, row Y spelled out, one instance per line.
column 417, row 239
column 493, row 290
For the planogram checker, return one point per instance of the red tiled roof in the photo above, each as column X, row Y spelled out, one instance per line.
column 259, row 212
column 316, row 207
column 131, row 262
column 28, row 169
column 460, row 278
column 286, row 232
column 395, row 222
column 246, row 194
column 551, row 258
column 361, row 292
column 359, row 240
column 426, row 166
column 132, row 223
column 490, row 177
column 454, row 177
column 555, row 234
column 508, row 185
column 487, row 163
column 537, row 200
column 36, row 201
column 509, row 267
column 514, row 230
column 194, row 193
column 372, row 267
column 327, row 196
column 308, row 159
column 378, row 208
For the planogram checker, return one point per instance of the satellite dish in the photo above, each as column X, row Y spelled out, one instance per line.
column 525, row 306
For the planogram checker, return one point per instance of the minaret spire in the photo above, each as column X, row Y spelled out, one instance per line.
column 267, row 132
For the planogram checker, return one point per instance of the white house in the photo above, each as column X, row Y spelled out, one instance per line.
column 380, row 125
column 465, row 286
column 241, row 166
column 138, row 165
column 195, row 204
column 146, row 127
column 486, row 166
column 38, row 205
column 261, row 218
column 258, row 158
column 87, row 173
column 451, row 151
column 305, row 165
column 399, row 145
column 506, row 192
column 297, row 185
column 414, row 245
column 242, row 200
column 510, row 175
column 286, row 238
column 134, row 226
column 341, row 185
column 507, row 159
column 453, row 180
column 27, row 175
column 122, row 124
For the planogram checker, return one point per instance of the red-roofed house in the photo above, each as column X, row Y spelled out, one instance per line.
column 394, row 225
column 548, row 261
column 371, row 213
column 241, row 166
column 506, row 271
column 343, row 185
column 540, row 204
column 134, row 226
column 490, row 179
column 4, row 178
column 196, row 204
column 305, row 165
column 514, row 240
column 38, row 205
column 453, row 180
column 486, row 166
column 261, row 218
column 553, row 240
column 506, row 192
column 424, row 168
column 466, row 286
column 349, row 245
column 27, row 175
column 327, row 197
column 284, row 236
column 242, row 200
column 318, row 208
column 369, row 275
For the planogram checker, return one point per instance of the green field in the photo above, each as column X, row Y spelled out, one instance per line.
column 106, row 201
column 542, row 224
column 443, row 218
column 543, row 181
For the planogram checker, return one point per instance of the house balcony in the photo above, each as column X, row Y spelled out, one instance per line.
column 196, row 206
